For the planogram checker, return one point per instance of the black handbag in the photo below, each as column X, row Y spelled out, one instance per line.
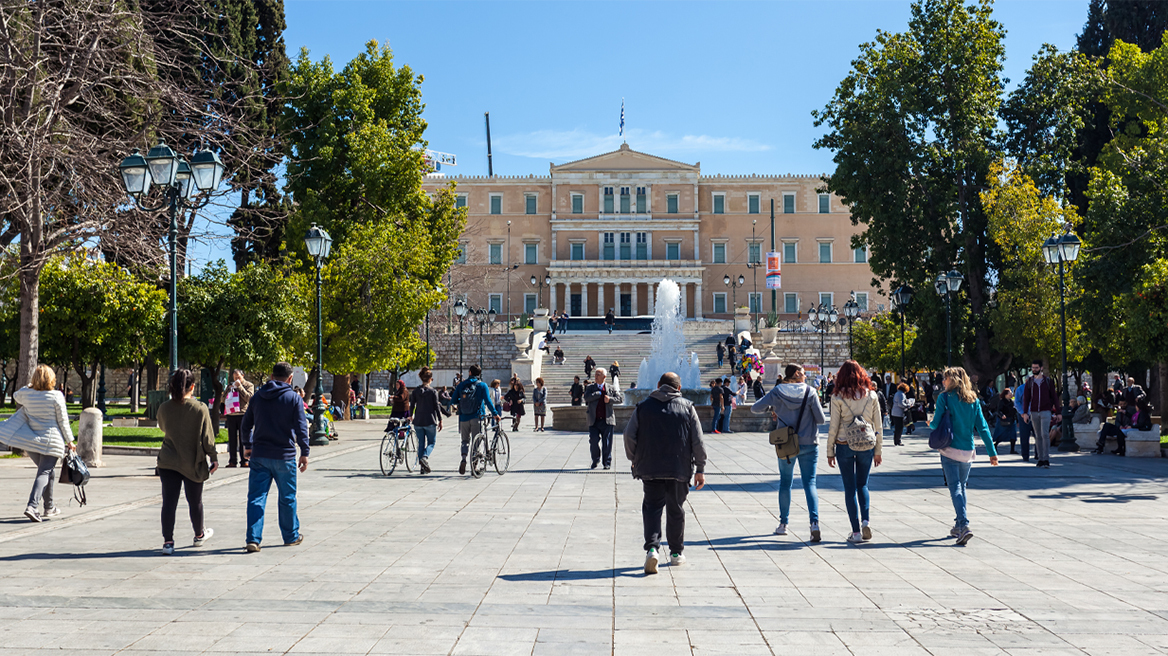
column 75, row 471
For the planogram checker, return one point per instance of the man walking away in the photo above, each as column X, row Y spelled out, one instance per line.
column 273, row 427
column 663, row 441
column 427, row 418
column 471, row 395
column 1039, row 402
column 721, row 353
column 601, row 399
column 610, row 320
column 716, row 400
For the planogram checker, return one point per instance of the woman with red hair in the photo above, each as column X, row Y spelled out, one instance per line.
column 855, row 435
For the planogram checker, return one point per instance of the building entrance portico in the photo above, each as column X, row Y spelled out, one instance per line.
column 591, row 288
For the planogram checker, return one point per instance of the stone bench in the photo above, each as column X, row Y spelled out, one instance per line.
column 1144, row 444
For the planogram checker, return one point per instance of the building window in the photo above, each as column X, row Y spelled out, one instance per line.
column 673, row 250
column 626, row 201
column 789, row 252
column 862, row 301
column 608, row 207
column 577, row 203
column 609, row 246
column 860, row 255
column 752, row 204
column 754, row 252
column 825, row 252
column 496, row 204
column 461, row 253
column 671, row 204
column 719, row 253
column 529, row 203
column 530, row 256
column 719, row 302
column 791, row 303
column 495, row 302
column 496, row 253
column 755, row 302
column 530, row 302
column 788, row 203
column 642, row 200
column 460, row 200
column 719, row 203
column 826, row 298
column 642, row 245
column 824, row 204
column 626, row 245
column 577, row 251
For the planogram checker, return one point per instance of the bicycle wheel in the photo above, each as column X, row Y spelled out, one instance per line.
column 410, row 448
column 478, row 456
column 388, row 455
column 502, row 451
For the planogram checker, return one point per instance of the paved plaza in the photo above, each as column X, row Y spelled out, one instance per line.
column 547, row 560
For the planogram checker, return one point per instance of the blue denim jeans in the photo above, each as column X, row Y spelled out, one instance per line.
column 808, row 458
column 854, row 469
column 261, row 474
column 957, row 476
column 427, row 435
column 726, row 419
column 717, row 426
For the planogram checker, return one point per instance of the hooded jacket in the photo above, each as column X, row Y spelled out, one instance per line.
column 785, row 399
column 663, row 438
column 275, row 423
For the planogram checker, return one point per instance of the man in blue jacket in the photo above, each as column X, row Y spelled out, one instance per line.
column 470, row 396
column 273, row 426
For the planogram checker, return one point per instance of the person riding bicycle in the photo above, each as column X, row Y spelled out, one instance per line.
column 471, row 395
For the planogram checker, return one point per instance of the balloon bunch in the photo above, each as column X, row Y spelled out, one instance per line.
column 750, row 363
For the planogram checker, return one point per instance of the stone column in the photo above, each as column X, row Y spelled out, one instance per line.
column 633, row 287
column 698, row 300
column 89, row 437
column 600, row 299
column 552, row 307
column 584, row 298
column 697, row 246
column 684, row 293
column 651, row 288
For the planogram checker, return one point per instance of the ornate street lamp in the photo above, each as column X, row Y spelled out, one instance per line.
column 1060, row 250
column 822, row 318
column 734, row 285
column 753, row 266
column 547, row 280
column 319, row 243
column 851, row 311
column 902, row 296
column 460, row 310
column 181, row 183
column 947, row 285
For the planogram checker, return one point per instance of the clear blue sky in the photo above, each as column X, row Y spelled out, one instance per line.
column 731, row 85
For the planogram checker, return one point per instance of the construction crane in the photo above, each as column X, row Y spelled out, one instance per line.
column 435, row 159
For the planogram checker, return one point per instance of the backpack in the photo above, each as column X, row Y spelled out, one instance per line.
column 859, row 434
column 468, row 400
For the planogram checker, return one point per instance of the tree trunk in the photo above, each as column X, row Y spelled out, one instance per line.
column 88, row 386
column 341, row 391
column 310, row 386
column 30, row 285
column 217, row 397
column 135, row 387
column 152, row 375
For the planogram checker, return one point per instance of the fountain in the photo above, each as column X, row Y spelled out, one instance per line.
column 667, row 351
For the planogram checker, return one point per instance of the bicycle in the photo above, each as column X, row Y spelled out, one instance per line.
column 400, row 444
column 497, row 454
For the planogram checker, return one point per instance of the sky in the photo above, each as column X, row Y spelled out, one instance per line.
column 728, row 84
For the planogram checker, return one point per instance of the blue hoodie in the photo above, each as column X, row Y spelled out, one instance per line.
column 275, row 423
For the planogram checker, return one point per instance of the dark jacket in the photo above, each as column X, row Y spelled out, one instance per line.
column 717, row 399
column 577, row 392
column 426, row 403
column 663, row 438
column 1039, row 397
column 275, row 423
column 482, row 393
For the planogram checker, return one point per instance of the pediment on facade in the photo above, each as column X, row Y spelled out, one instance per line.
column 625, row 159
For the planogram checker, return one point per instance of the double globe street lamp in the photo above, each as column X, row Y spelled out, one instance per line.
column 188, row 185
column 851, row 311
column 902, row 297
column 734, row 285
column 947, row 285
column 547, row 280
column 318, row 243
column 1059, row 250
column 822, row 319
column 460, row 309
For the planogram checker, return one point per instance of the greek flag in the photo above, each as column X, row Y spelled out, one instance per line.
column 622, row 125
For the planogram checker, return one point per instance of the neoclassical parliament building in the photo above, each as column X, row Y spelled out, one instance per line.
column 600, row 233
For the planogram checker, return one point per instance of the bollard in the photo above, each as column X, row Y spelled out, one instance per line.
column 89, row 437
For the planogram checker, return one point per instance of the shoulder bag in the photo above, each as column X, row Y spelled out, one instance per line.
column 786, row 438
column 75, row 471
column 858, row 433
column 942, row 435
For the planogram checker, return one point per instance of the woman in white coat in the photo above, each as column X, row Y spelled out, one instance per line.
column 41, row 429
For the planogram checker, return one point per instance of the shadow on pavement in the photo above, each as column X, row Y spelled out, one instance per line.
column 136, row 553
column 573, row 575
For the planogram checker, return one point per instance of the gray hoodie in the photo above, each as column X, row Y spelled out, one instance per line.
column 785, row 400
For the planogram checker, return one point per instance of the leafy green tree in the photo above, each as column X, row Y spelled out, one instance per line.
column 913, row 127
column 877, row 344
column 95, row 313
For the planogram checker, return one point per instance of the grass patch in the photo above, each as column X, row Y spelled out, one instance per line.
column 138, row 436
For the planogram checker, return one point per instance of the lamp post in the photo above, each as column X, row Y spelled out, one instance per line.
column 947, row 285
column 181, row 182
column 318, row 243
column 734, row 285
column 902, row 297
column 460, row 310
column 1064, row 249
column 753, row 266
column 822, row 319
column 509, row 267
column 851, row 311
column 547, row 280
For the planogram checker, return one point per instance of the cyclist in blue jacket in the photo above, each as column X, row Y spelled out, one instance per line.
column 470, row 396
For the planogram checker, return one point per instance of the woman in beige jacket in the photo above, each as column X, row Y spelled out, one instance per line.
column 188, row 441
column 853, row 397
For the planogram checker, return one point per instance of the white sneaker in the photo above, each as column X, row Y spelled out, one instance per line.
column 855, row 538
column 207, row 533
column 651, row 562
column 168, row 549
column 51, row 512
column 866, row 532
column 677, row 559
column 31, row 513
column 815, row 535
column 781, row 530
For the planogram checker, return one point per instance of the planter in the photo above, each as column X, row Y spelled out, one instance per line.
column 540, row 320
column 521, row 337
column 541, row 312
column 769, row 335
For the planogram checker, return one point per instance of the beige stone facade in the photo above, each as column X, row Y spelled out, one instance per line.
column 606, row 229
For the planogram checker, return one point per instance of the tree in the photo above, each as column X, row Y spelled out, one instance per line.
column 914, row 130
column 95, row 313
column 878, row 346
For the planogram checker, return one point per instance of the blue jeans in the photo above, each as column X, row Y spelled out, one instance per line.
column 854, row 469
column 260, row 476
column 807, row 459
column 1024, row 431
column 427, row 435
column 957, row 476
column 717, row 419
column 726, row 418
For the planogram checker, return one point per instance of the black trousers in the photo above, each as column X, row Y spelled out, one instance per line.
column 234, row 443
column 172, row 482
column 668, row 495
column 897, row 428
column 600, row 441
column 1107, row 430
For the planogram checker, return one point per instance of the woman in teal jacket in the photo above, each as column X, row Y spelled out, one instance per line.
column 960, row 402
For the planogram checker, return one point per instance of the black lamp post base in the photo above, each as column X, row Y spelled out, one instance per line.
column 318, row 439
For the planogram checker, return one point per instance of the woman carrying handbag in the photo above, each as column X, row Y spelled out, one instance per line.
column 854, row 437
column 41, row 429
column 957, row 418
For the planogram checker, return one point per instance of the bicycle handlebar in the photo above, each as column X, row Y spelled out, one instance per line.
column 399, row 421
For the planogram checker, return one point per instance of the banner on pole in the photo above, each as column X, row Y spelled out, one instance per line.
column 774, row 274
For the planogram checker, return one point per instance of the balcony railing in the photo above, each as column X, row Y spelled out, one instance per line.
column 624, row 264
